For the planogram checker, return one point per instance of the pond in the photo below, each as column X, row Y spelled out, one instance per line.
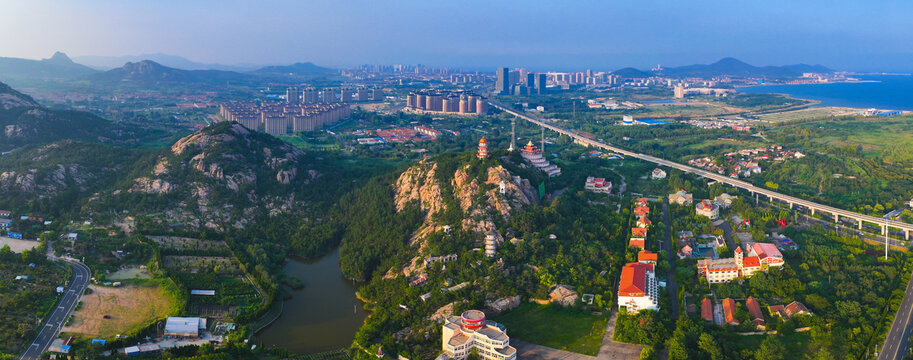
column 322, row 316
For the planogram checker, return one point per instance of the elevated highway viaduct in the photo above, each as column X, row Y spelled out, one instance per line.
column 838, row 214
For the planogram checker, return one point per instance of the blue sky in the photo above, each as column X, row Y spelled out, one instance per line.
column 568, row 35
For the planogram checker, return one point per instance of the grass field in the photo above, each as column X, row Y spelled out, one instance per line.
column 809, row 113
column 556, row 327
column 130, row 307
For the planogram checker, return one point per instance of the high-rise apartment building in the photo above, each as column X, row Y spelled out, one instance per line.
column 292, row 95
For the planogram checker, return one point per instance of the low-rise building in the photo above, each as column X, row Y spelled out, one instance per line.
column 729, row 311
column 728, row 269
column 707, row 310
column 184, row 326
column 644, row 222
column 658, row 174
column 461, row 334
column 647, row 257
column 724, row 200
column 639, row 232
column 755, row 310
column 767, row 253
column 707, row 208
column 637, row 288
column 637, row 242
column 794, row 308
column 598, row 185
column 681, row 197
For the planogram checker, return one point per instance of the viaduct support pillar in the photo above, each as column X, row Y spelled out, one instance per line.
column 906, row 235
column 813, row 211
column 836, row 218
column 790, row 206
column 884, row 230
column 860, row 224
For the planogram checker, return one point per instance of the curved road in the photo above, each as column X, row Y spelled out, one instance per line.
column 65, row 306
column 744, row 185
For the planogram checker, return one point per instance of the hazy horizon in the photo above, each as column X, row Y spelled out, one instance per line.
column 844, row 35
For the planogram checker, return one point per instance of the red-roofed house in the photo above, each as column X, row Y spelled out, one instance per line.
column 647, row 257
column 767, row 253
column 641, row 201
column 641, row 210
column 755, row 310
column 5, row 213
column 637, row 288
column 796, row 308
column 637, row 242
column 707, row 310
column 639, row 232
column 750, row 264
column 729, row 311
column 644, row 222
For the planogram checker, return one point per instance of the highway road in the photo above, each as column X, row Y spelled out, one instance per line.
column 65, row 306
column 744, row 185
column 898, row 340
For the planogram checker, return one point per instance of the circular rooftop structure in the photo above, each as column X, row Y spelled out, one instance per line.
column 473, row 319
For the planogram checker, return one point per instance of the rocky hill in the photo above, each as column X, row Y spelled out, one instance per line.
column 147, row 74
column 483, row 194
column 58, row 178
column 222, row 177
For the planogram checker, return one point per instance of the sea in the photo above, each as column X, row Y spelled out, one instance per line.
column 883, row 92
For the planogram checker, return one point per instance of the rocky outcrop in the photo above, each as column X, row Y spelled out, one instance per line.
column 498, row 193
column 418, row 183
column 152, row 186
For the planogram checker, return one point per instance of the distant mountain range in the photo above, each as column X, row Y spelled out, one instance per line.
column 728, row 66
column 58, row 66
column 143, row 73
column 173, row 61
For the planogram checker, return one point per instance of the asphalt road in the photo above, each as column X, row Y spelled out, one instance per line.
column 898, row 340
column 671, row 286
column 58, row 317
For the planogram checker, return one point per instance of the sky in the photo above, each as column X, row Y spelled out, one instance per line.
column 539, row 35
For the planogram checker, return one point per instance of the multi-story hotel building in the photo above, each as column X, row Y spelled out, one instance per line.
column 637, row 289
column 726, row 270
column 461, row 334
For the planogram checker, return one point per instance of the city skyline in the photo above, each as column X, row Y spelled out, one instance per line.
column 472, row 35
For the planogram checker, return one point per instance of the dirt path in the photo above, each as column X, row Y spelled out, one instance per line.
column 614, row 350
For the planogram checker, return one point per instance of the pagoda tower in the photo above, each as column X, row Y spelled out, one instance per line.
column 483, row 149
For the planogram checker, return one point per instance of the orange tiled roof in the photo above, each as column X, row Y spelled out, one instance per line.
column 639, row 232
column 706, row 310
column 751, row 261
column 729, row 311
column 634, row 280
column 754, row 308
column 637, row 243
column 645, row 255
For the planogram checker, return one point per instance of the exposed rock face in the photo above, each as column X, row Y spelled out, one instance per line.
column 418, row 183
column 477, row 200
column 236, row 175
column 152, row 186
